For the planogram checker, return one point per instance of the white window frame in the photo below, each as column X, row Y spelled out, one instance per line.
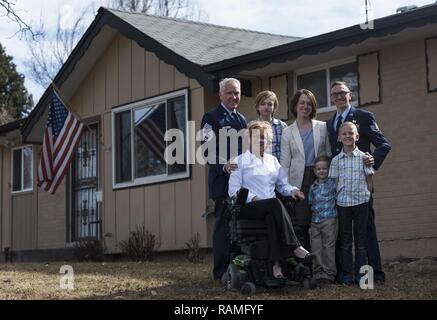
column 22, row 173
column 326, row 67
column 154, row 179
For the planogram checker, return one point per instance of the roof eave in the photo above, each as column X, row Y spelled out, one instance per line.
column 322, row 43
column 105, row 17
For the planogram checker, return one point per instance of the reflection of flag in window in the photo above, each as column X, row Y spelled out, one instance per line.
column 151, row 135
column 61, row 137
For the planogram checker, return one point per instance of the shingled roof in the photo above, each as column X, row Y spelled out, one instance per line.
column 202, row 43
column 207, row 52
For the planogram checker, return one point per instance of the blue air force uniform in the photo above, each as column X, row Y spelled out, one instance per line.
column 212, row 122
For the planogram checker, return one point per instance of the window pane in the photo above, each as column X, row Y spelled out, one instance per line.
column 316, row 83
column 16, row 174
column 176, row 119
column 123, row 161
column 149, row 141
column 27, row 168
column 348, row 74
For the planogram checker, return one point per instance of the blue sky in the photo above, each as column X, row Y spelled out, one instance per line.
column 302, row 18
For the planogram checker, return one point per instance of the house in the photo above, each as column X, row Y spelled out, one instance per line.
column 133, row 76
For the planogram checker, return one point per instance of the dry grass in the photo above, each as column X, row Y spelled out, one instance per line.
column 176, row 278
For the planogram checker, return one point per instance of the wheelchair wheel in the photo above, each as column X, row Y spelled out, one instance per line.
column 313, row 283
column 307, row 283
column 233, row 277
column 248, row 288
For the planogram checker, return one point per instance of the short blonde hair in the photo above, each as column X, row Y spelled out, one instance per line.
column 264, row 127
column 264, row 95
column 349, row 124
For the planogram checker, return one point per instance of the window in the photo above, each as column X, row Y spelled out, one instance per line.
column 22, row 169
column 139, row 144
column 318, row 80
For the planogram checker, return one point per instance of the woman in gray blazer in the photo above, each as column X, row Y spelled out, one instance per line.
column 301, row 143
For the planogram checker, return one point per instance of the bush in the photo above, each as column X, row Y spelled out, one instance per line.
column 194, row 254
column 89, row 250
column 141, row 245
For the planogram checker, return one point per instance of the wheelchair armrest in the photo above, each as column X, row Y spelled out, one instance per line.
column 241, row 196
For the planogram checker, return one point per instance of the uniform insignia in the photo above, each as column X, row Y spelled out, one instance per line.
column 207, row 132
column 374, row 127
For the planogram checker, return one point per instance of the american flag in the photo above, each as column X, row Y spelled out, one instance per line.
column 61, row 137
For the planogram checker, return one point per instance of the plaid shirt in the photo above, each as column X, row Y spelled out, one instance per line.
column 277, row 127
column 351, row 174
column 321, row 198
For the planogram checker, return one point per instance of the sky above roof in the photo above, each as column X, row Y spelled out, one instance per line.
column 300, row 18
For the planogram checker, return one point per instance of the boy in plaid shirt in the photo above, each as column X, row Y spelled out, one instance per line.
column 354, row 182
column 324, row 225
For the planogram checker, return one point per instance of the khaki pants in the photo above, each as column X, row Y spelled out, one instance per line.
column 323, row 237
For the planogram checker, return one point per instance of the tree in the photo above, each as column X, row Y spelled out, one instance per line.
column 15, row 101
column 49, row 53
column 8, row 7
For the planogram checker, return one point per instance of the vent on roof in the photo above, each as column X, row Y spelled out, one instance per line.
column 406, row 8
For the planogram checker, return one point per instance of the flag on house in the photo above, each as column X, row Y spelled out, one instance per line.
column 61, row 137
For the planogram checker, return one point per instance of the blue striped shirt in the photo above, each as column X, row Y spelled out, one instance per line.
column 321, row 198
column 351, row 173
column 277, row 127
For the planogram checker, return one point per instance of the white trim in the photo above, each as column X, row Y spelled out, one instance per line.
column 153, row 179
column 22, row 171
column 326, row 67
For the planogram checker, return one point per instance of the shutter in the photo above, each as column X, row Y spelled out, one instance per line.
column 431, row 63
column 369, row 79
column 278, row 84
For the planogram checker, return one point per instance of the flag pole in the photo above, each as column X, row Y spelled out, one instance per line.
column 74, row 113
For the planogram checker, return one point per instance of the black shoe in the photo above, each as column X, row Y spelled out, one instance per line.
column 308, row 258
column 379, row 282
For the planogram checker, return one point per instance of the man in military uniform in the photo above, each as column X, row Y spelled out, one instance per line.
column 224, row 117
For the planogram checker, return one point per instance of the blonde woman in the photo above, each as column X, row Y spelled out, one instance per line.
column 261, row 173
column 301, row 144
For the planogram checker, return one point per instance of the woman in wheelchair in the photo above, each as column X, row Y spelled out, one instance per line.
column 260, row 173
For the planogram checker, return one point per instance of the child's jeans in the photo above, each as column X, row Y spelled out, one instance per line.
column 353, row 217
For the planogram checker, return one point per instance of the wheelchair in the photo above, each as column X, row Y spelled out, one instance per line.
column 249, row 266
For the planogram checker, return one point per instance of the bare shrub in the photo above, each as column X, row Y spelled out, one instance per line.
column 194, row 253
column 89, row 250
column 141, row 245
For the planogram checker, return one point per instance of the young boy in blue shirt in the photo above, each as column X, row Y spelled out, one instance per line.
column 324, row 225
column 354, row 182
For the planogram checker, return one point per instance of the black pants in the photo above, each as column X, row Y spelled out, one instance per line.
column 373, row 254
column 220, row 241
column 302, row 214
column 280, row 233
column 372, row 247
column 353, row 225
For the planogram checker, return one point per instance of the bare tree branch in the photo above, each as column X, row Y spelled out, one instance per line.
column 49, row 53
column 11, row 13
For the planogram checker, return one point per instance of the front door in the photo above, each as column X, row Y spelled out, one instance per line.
column 85, row 220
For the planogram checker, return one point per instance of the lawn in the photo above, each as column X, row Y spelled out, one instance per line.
column 176, row 278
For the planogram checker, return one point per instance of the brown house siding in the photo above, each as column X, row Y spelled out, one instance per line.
column 172, row 211
column 406, row 197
